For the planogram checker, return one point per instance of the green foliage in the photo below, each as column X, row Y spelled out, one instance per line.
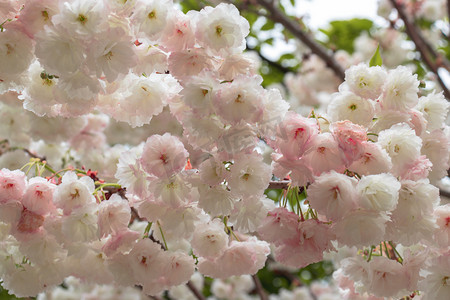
column 271, row 74
column 187, row 5
column 5, row 296
column 317, row 271
column 276, row 279
column 341, row 34
column 376, row 59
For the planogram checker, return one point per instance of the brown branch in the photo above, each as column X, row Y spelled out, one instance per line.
column 444, row 193
column 276, row 185
column 259, row 288
column 448, row 12
column 195, row 291
column 421, row 45
column 277, row 16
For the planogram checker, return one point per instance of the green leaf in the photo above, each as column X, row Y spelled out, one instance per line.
column 376, row 58
column 287, row 56
column 268, row 26
column 341, row 34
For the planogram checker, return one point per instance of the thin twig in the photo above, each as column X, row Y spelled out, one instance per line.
column 195, row 291
column 421, row 46
column 259, row 288
column 31, row 154
column 277, row 16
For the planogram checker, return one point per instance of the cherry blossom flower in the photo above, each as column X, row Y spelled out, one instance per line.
column 163, row 156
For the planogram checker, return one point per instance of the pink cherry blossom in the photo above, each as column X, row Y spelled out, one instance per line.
column 296, row 135
column 163, row 156
column 12, row 185
column 113, row 215
column 350, row 138
column 312, row 239
column 38, row 197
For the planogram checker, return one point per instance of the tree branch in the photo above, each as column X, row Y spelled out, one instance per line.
column 276, row 185
column 259, row 288
column 444, row 193
column 448, row 12
column 277, row 16
column 195, row 291
column 421, row 45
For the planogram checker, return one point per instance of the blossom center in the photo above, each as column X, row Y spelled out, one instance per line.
column 299, row 132
column 163, row 158
column 321, row 150
column 238, row 99
column 246, row 176
column 82, row 19
column 219, row 30
column 362, row 83
column 9, row 49
column 152, row 14
column 75, row 194
column 44, row 14
column 108, row 55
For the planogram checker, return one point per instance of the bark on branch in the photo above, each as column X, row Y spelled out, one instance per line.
column 421, row 45
column 195, row 291
column 277, row 16
column 259, row 288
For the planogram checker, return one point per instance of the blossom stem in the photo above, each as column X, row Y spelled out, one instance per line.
column 101, row 186
column 399, row 258
column 29, row 167
column 162, row 235
column 387, row 250
column 259, row 288
column 370, row 253
column 50, row 169
column 299, row 207
column 147, row 229
column 284, row 197
column 234, row 235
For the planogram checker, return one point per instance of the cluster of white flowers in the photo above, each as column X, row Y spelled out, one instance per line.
column 371, row 166
column 191, row 181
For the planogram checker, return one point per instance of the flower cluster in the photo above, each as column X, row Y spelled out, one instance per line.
column 368, row 165
column 191, row 181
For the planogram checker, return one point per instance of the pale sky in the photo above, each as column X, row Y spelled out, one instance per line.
column 319, row 12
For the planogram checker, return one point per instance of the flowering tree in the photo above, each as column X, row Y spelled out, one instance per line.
column 143, row 155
